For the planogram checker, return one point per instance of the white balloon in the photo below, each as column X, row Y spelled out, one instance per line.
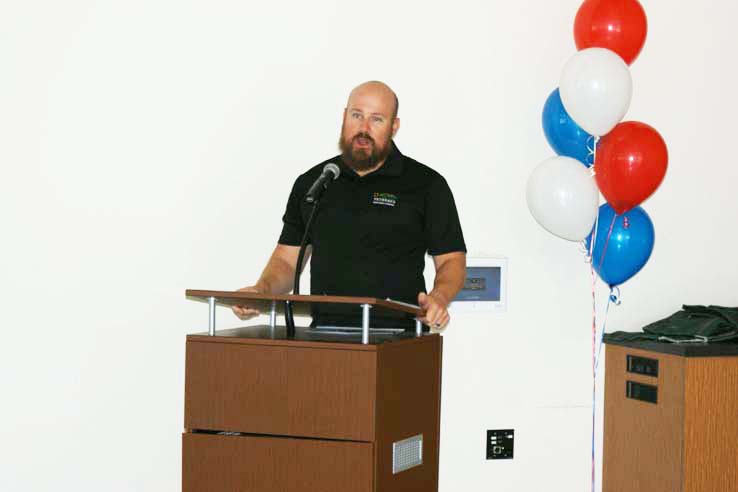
column 595, row 89
column 563, row 197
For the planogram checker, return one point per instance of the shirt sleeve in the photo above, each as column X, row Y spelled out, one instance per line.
column 294, row 226
column 442, row 226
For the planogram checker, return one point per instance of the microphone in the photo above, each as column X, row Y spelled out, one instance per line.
column 330, row 173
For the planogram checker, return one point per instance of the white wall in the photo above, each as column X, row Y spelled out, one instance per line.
column 149, row 146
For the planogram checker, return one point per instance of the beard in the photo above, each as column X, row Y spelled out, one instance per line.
column 363, row 159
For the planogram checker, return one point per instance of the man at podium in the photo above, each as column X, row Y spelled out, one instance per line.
column 373, row 226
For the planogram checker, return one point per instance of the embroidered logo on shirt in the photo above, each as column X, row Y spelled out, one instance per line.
column 386, row 199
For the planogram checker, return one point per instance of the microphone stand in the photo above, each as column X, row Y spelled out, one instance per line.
column 288, row 313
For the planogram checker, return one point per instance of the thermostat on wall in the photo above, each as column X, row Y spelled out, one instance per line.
column 484, row 287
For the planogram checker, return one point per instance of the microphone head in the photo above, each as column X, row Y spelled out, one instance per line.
column 331, row 167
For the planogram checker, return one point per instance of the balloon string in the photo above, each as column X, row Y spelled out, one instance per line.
column 594, row 411
column 592, row 152
column 612, row 298
column 593, row 235
column 594, row 336
column 586, row 250
column 607, row 242
column 594, row 314
column 595, row 351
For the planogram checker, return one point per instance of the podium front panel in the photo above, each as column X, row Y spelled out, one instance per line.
column 331, row 393
column 217, row 463
column 280, row 390
column 238, row 388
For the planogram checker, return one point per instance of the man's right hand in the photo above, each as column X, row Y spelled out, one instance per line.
column 244, row 312
column 277, row 277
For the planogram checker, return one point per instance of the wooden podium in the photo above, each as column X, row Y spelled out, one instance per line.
column 316, row 412
column 671, row 418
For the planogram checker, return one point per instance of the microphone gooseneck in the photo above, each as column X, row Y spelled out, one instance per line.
column 329, row 174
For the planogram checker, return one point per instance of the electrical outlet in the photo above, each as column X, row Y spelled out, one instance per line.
column 500, row 444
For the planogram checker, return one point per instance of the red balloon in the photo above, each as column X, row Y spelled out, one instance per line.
column 630, row 164
column 618, row 25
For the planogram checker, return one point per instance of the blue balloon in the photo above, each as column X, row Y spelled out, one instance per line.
column 629, row 247
column 563, row 134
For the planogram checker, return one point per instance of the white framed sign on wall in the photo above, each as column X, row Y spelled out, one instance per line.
column 485, row 286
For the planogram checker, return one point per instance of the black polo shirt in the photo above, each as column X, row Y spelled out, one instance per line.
column 371, row 233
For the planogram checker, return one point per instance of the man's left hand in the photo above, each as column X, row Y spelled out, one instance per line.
column 436, row 312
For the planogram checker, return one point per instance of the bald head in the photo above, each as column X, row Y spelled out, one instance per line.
column 378, row 91
column 369, row 123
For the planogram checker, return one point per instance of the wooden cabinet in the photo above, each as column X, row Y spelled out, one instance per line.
column 266, row 413
column 674, row 431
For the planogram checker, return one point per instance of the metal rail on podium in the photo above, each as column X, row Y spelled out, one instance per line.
column 274, row 305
